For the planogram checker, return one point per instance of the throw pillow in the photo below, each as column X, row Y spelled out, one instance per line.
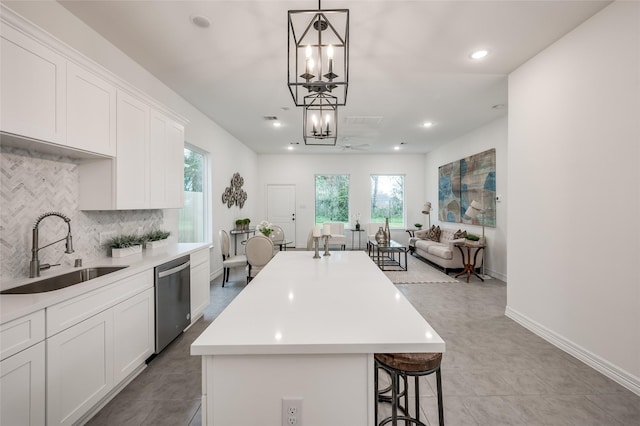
column 434, row 234
column 460, row 234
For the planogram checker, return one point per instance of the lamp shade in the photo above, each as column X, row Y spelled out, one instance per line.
column 474, row 208
column 426, row 209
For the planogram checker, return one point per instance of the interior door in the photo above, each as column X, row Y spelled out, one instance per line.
column 281, row 209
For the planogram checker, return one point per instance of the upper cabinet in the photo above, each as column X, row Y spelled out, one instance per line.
column 32, row 88
column 54, row 99
column 91, row 112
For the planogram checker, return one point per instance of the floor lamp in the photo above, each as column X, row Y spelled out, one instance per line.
column 426, row 209
column 476, row 208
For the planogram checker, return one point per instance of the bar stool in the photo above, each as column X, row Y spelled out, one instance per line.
column 401, row 367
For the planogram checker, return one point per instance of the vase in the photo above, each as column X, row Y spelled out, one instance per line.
column 380, row 236
column 150, row 245
column 387, row 233
column 357, row 225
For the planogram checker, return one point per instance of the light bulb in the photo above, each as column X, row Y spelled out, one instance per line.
column 330, row 52
column 314, row 119
column 327, row 118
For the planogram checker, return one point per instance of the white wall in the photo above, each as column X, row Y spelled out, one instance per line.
column 574, row 193
column 300, row 170
column 492, row 135
column 227, row 154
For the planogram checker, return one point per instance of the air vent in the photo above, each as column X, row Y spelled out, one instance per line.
column 372, row 121
column 270, row 118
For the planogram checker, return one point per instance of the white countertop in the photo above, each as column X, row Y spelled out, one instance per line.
column 13, row 306
column 337, row 304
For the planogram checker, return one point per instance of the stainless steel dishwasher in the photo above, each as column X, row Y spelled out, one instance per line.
column 173, row 300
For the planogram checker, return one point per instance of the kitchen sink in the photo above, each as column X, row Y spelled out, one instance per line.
column 62, row 281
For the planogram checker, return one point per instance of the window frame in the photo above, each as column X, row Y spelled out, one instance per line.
column 315, row 197
column 403, row 225
column 206, row 191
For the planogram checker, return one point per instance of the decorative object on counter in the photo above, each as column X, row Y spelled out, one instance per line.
column 426, row 209
column 317, row 233
column 125, row 245
column 357, row 216
column 242, row 224
column 472, row 237
column 387, row 232
column 156, row 239
column 234, row 194
column 34, row 265
column 265, row 227
column 380, row 236
column 418, row 226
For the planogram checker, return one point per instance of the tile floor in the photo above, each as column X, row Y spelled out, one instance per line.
column 494, row 371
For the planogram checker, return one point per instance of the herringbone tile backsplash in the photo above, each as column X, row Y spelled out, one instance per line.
column 33, row 183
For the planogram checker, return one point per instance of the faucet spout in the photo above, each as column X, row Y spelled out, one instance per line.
column 34, row 264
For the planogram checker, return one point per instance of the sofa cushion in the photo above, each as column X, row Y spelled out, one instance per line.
column 441, row 251
column 459, row 234
column 434, row 234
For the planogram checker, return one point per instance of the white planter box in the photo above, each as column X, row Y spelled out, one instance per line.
column 126, row 251
column 156, row 244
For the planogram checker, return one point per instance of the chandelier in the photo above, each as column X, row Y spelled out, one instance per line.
column 320, row 120
column 318, row 54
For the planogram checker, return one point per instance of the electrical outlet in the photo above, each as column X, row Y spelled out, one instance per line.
column 292, row 412
column 106, row 236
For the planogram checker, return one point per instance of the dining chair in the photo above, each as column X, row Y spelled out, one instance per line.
column 277, row 236
column 259, row 250
column 229, row 261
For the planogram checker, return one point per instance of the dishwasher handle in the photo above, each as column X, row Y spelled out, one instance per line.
column 174, row 270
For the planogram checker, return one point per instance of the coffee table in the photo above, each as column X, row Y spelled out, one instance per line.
column 388, row 257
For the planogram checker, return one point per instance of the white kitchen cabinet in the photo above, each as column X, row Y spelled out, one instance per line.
column 134, row 336
column 22, row 386
column 79, row 368
column 32, row 82
column 200, row 290
column 166, row 162
column 132, row 162
column 91, row 112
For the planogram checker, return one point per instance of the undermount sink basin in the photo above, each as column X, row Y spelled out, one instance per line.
column 62, row 281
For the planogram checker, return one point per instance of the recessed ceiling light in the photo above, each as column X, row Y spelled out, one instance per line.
column 479, row 54
column 396, row 148
column 499, row 106
column 427, row 124
column 276, row 124
column 201, row 21
column 290, row 148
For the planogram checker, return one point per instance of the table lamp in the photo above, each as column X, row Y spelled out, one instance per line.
column 426, row 209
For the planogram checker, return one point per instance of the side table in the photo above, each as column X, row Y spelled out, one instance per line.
column 469, row 265
column 359, row 231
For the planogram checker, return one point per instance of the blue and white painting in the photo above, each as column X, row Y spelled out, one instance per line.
column 475, row 180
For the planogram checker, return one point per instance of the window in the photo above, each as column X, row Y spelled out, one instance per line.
column 192, row 218
column 387, row 199
column 332, row 198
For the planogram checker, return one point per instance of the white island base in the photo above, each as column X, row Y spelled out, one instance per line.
column 306, row 328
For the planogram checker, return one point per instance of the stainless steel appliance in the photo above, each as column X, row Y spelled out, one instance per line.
column 173, row 300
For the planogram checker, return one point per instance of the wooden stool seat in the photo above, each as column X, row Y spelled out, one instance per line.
column 411, row 362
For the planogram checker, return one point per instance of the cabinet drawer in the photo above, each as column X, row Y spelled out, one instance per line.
column 70, row 312
column 199, row 257
column 21, row 333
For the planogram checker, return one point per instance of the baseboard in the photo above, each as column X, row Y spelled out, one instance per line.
column 215, row 274
column 497, row 275
column 613, row 372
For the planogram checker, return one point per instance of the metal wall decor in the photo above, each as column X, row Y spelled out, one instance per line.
column 318, row 53
column 234, row 194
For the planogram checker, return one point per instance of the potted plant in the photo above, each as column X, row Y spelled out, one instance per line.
column 418, row 226
column 265, row 227
column 155, row 239
column 125, row 245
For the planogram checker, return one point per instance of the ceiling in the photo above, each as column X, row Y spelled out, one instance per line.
column 409, row 63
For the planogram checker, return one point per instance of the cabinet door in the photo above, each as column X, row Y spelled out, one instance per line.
column 132, row 153
column 200, row 291
column 32, row 85
column 91, row 112
column 22, row 386
column 79, row 368
column 166, row 162
column 134, row 337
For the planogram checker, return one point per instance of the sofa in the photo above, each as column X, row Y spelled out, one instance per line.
column 443, row 252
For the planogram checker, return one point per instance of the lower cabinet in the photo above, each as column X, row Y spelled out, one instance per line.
column 85, row 362
column 200, row 290
column 22, row 386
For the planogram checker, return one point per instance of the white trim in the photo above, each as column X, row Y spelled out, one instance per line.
column 615, row 373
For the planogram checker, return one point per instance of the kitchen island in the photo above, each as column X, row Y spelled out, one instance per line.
column 306, row 328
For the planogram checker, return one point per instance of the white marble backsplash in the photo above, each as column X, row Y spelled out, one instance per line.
column 33, row 183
